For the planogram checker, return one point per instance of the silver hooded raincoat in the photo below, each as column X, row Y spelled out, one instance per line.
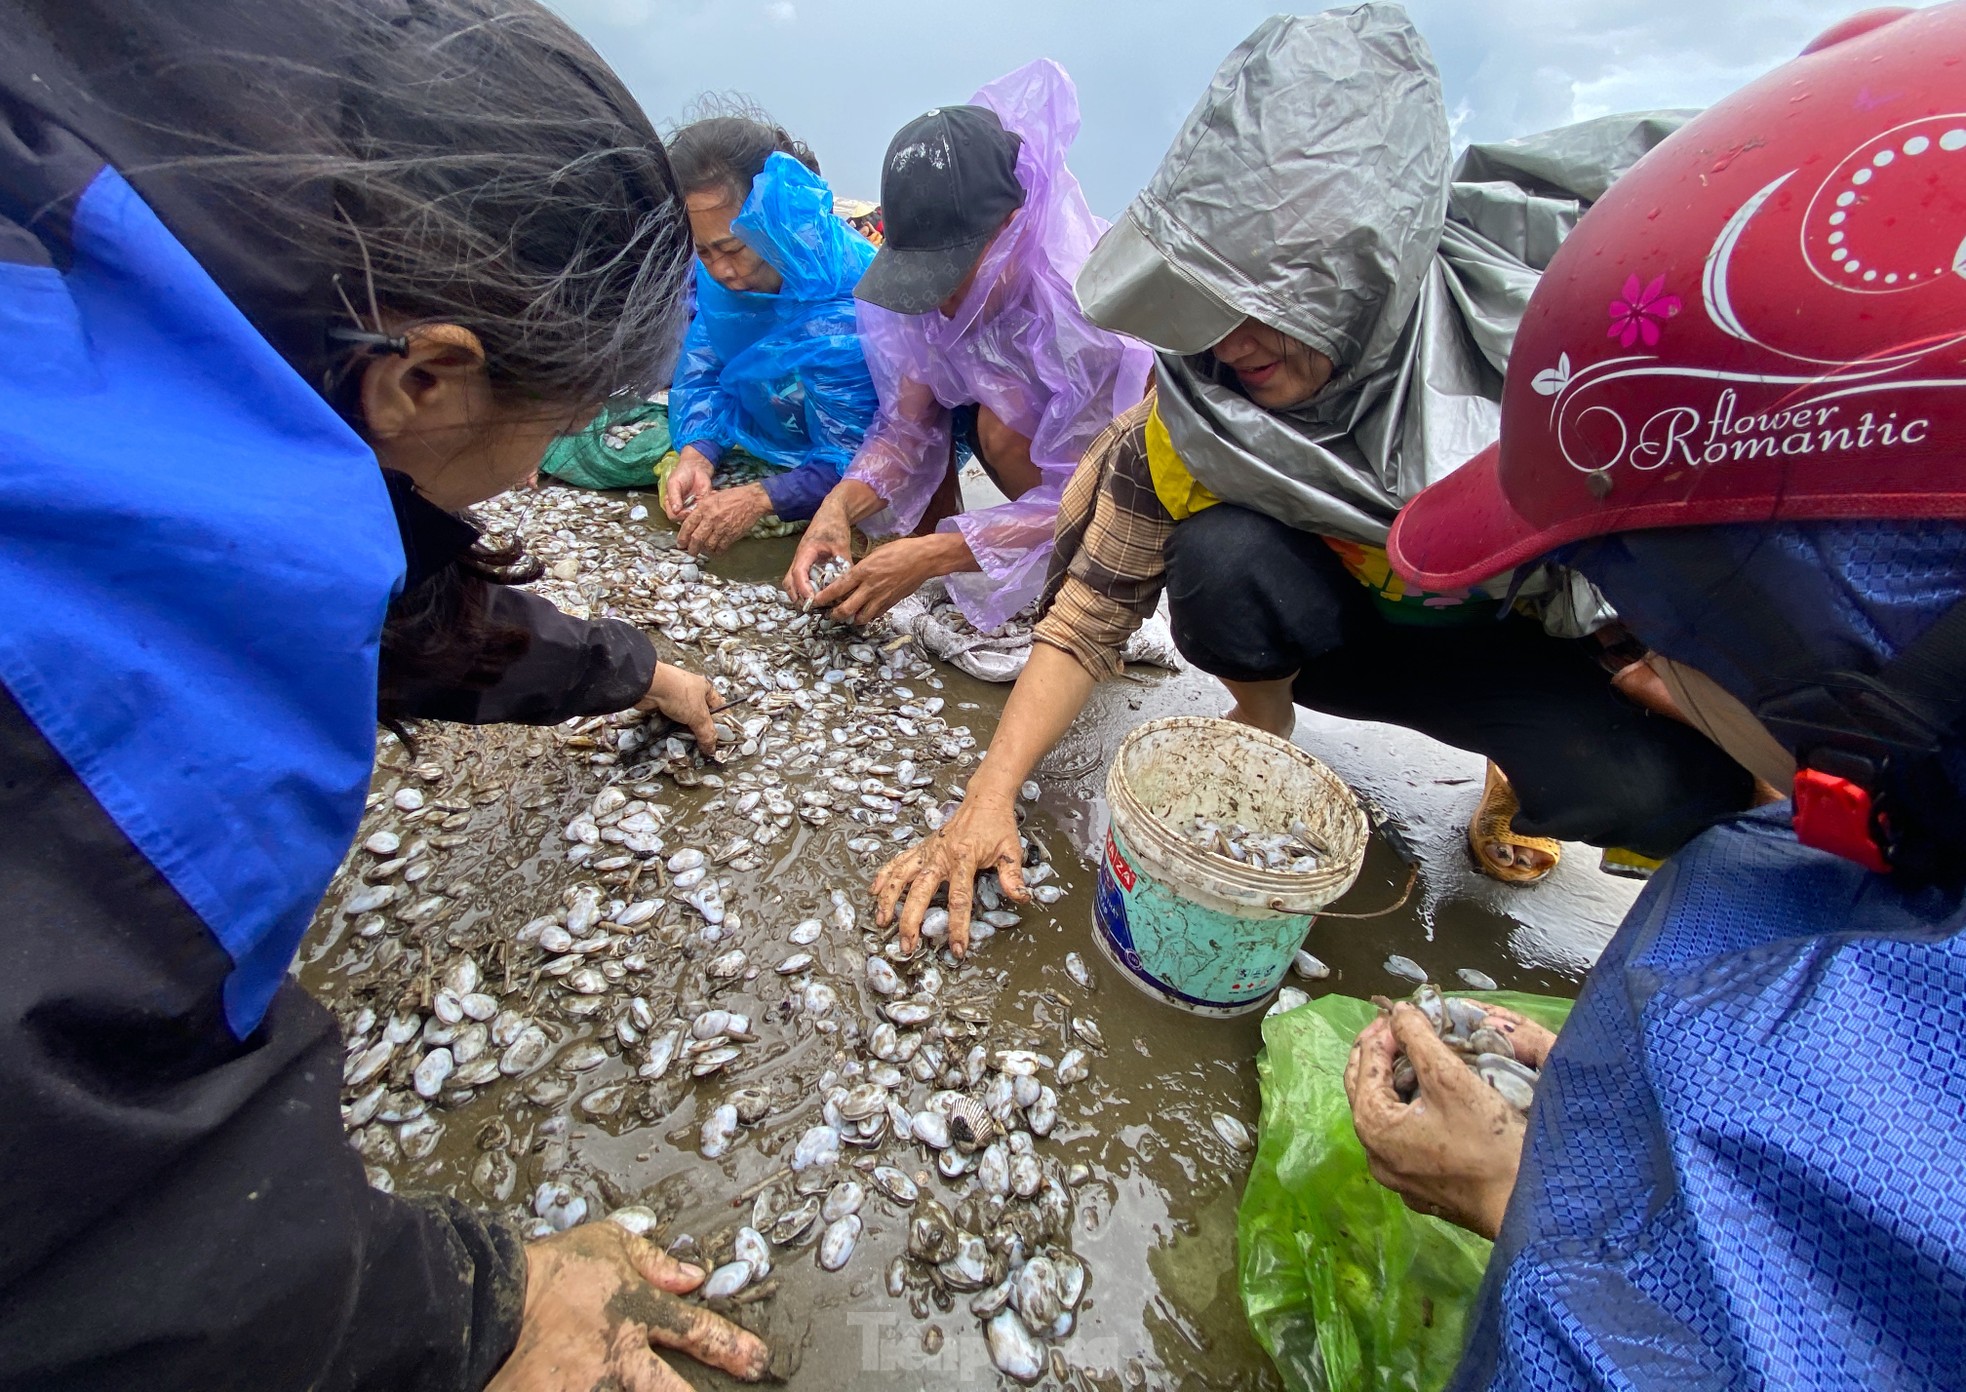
column 1311, row 189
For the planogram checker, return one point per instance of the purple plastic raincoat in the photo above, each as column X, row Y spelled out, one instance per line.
column 1018, row 346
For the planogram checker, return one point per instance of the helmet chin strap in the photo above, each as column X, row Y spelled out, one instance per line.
column 1871, row 785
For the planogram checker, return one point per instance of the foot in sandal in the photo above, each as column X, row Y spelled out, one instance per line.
column 1499, row 850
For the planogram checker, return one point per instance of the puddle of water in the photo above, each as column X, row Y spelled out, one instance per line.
column 1155, row 1224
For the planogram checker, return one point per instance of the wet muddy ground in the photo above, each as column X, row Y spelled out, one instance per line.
column 1151, row 1215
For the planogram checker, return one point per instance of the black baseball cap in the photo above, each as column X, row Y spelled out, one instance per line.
column 949, row 181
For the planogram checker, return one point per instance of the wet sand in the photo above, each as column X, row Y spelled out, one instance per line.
column 1155, row 1224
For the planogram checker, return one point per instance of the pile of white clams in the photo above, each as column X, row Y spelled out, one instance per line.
column 642, row 977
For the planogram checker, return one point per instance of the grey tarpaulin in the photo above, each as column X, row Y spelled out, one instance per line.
column 1311, row 189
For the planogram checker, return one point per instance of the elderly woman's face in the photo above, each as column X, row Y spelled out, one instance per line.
column 725, row 255
column 1276, row 371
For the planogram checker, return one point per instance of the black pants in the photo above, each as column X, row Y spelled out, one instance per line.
column 1255, row 600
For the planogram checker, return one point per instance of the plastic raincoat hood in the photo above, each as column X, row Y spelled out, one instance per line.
column 1311, row 189
column 788, row 219
column 1309, row 186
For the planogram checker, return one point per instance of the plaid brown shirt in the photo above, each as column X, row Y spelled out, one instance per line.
column 1110, row 565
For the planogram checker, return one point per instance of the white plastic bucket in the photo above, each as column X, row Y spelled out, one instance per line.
column 1198, row 930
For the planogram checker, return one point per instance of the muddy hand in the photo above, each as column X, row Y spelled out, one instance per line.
column 598, row 1302
column 883, row 578
column 981, row 836
column 722, row 519
column 1454, row 1149
column 687, row 699
column 827, row 537
column 688, row 481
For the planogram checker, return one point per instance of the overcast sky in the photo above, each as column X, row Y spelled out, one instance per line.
column 843, row 75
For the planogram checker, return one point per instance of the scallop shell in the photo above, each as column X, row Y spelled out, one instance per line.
column 970, row 1125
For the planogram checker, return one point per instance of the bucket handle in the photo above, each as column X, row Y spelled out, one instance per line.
column 1412, row 878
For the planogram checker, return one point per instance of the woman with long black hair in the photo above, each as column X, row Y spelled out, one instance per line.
column 284, row 288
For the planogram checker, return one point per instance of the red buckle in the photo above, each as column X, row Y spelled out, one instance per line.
column 1833, row 814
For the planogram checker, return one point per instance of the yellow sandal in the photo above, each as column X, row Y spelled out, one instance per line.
column 1492, row 827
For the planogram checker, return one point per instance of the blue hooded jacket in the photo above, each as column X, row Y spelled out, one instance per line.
column 197, row 554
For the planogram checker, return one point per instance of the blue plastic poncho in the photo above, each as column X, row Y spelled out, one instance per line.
column 781, row 376
column 1743, row 1168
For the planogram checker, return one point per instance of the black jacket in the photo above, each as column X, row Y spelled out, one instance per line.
column 186, row 1211
column 570, row 666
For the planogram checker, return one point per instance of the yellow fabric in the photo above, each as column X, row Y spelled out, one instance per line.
column 1183, row 497
column 1173, row 484
column 1371, row 567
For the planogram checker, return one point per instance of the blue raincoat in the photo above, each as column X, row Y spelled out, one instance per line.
column 782, row 376
column 1744, row 1168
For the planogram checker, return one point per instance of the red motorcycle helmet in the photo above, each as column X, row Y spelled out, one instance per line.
column 1764, row 320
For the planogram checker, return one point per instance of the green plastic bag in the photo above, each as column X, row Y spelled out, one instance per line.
column 1347, row 1289
column 629, row 446
column 619, row 449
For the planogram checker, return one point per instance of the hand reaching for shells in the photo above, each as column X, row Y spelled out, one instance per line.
column 981, row 836
column 1454, row 1149
column 687, row 699
column 890, row 573
column 721, row 519
column 598, row 1302
column 828, row 537
column 688, row 482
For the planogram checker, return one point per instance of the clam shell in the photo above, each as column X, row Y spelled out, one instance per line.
column 726, row 1281
column 843, row 1198
column 795, row 1222
column 837, row 1243
column 1013, row 1349
column 717, row 1132
column 895, row 1184
column 1406, row 967
column 993, row 1171
column 1233, row 1133
column 932, row 1130
column 806, row 933
column 635, row 1219
column 820, row 1145
column 1289, row 998
column 525, row 1053
column 908, row 1013
column 661, row 1053
column 1309, row 967
column 752, row 1247
column 1036, row 1292
column 863, row 1101
column 494, row 1176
